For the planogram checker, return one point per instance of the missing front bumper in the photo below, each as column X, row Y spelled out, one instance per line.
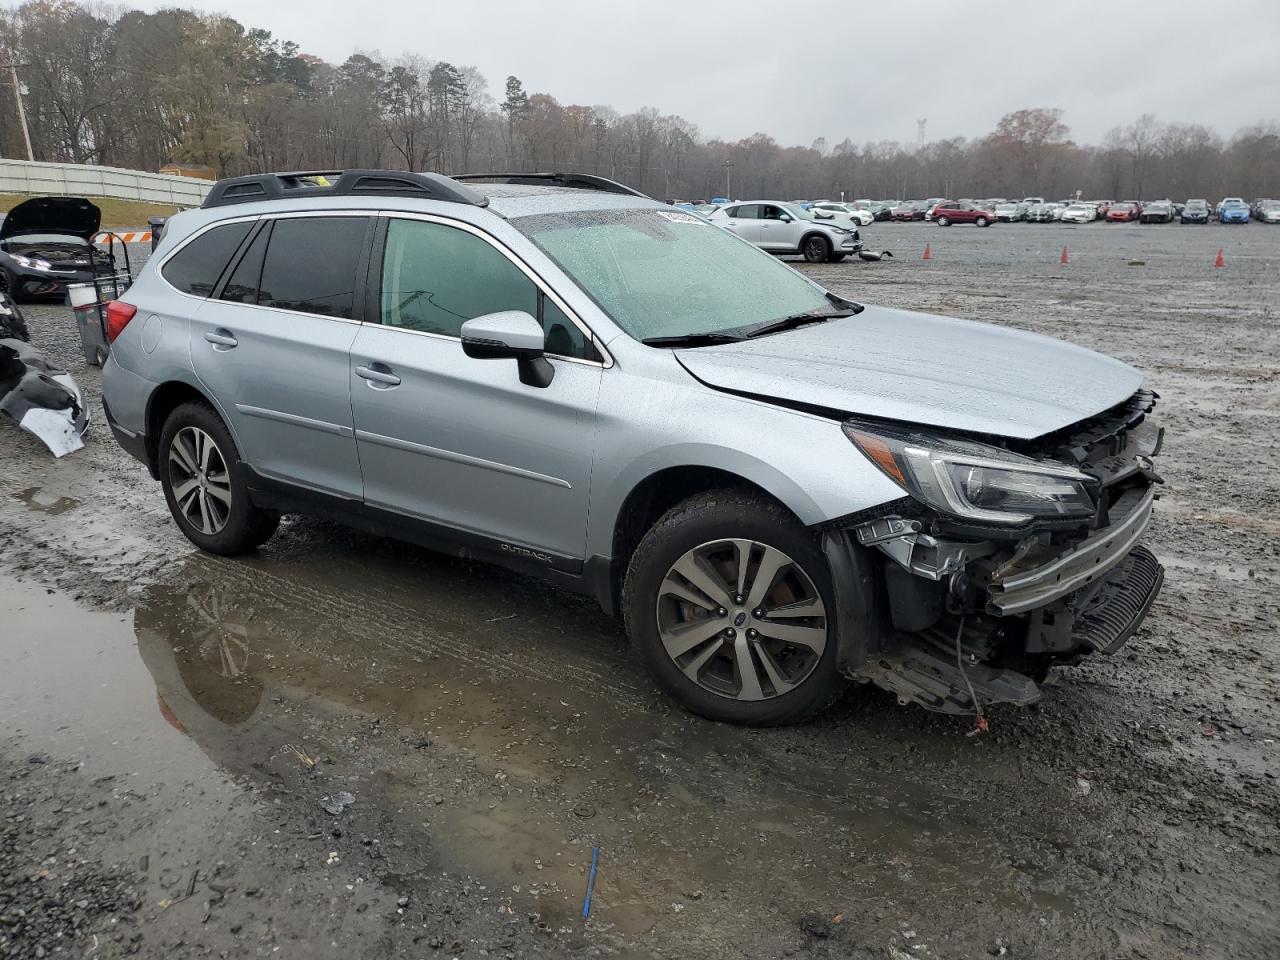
column 922, row 667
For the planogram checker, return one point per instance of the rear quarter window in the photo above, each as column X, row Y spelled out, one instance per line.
column 195, row 268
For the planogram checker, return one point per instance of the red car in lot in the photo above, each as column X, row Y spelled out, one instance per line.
column 1123, row 212
column 960, row 211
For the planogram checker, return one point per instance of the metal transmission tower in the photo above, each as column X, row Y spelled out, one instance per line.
column 920, row 133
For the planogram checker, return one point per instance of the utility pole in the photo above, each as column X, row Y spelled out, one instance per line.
column 22, row 111
column 728, row 179
column 920, row 133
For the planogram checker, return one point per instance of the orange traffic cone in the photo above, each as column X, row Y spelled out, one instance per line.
column 1064, row 258
column 1221, row 261
column 928, row 255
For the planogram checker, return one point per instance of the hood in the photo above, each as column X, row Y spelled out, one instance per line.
column 73, row 215
column 923, row 369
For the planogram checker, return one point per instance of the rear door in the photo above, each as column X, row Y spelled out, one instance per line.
column 460, row 442
column 744, row 220
column 272, row 348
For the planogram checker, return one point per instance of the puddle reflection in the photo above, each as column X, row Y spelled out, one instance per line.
column 538, row 752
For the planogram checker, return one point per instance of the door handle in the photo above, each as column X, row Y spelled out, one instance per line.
column 221, row 338
column 378, row 373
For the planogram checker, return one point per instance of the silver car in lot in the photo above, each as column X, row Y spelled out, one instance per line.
column 777, row 490
column 788, row 228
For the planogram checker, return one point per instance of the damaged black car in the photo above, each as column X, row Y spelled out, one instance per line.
column 46, row 244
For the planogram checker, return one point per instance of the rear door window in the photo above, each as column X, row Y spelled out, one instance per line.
column 195, row 268
column 750, row 211
column 310, row 265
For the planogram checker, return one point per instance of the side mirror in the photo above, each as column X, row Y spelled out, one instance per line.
column 785, row 218
column 510, row 335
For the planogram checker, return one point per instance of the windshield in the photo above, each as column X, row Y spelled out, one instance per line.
column 659, row 273
column 797, row 211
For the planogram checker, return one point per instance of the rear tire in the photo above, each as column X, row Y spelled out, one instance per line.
column 729, row 664
column 816, row 249
column 943, row 222
column 200, row 472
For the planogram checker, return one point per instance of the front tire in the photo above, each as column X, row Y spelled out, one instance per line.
column 816, row 249
column 982, row 221
column 728, row 602
column 199, row 471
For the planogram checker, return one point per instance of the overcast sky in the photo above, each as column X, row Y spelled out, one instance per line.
column 863, row 69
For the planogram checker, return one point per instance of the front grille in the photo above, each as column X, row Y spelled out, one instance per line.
column 1103, row 434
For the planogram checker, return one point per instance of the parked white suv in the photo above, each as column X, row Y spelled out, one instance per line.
column 788, row 228
column 855, row 214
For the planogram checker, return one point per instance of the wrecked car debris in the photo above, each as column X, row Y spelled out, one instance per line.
column 871, row 257
column 338, row 802
column 41, row 398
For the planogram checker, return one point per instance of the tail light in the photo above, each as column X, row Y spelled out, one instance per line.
column 119, row 314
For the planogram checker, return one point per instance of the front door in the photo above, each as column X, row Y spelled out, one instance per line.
column 272, row 348
column 460, row 442
column 779, row 231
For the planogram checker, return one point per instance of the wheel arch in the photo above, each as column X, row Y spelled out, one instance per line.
column 810, row 234
column 661, row 488
column 164, row 399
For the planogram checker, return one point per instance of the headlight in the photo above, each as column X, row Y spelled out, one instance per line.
column 31, row 263
column 972, row 480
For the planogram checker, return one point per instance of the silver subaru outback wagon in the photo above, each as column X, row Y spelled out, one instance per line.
column 776, row 489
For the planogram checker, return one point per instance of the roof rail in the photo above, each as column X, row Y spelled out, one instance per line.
column 340, row 183
column 576, row 181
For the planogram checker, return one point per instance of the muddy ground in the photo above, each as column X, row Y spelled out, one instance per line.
column 173, row 721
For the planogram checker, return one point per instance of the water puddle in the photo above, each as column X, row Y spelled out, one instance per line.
column 510, row 726
column 37, row 499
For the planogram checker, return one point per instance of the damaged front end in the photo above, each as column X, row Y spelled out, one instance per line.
column 42, row 399
column 1002, row 562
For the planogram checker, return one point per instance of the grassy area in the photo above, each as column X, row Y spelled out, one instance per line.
column 116, row 214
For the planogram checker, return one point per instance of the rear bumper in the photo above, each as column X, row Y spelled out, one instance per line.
column 135, row 444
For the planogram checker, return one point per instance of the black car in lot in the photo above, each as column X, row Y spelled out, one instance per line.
column 1195, row 211
column 46, row 243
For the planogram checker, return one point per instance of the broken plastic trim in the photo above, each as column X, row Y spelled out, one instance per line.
column 41, row 399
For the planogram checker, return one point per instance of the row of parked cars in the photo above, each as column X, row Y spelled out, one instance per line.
column 1038, row 210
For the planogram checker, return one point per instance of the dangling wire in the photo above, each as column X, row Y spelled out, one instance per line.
column 979, row 718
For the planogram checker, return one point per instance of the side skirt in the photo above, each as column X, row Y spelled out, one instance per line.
column 566, row 572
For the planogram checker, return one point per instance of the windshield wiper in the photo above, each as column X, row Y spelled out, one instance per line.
column 692, row 340
column 796, row 320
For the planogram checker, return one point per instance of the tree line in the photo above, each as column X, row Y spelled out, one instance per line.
column 108, row 85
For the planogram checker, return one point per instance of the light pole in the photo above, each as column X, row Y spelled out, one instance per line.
column 728, row 179
column 22, row 112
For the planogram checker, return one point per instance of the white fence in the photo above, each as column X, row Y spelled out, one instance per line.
column 83, row 180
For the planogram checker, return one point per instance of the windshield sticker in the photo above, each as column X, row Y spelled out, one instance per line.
column 675, row 217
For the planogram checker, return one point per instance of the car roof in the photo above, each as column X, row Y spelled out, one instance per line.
column 505, row 201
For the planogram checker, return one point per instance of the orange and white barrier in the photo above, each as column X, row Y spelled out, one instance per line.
column 137, row 236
